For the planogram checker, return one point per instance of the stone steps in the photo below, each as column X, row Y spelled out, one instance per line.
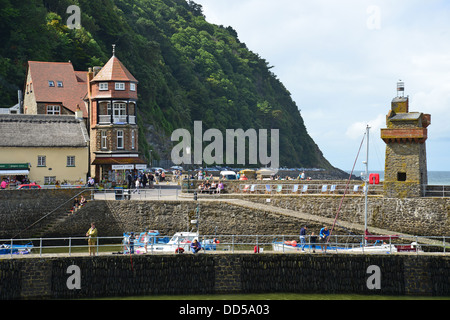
column 59, row 219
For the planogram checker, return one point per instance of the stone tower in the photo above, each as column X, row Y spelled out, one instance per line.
column 405, row 173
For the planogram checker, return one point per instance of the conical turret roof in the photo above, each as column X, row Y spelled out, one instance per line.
column 114, row 70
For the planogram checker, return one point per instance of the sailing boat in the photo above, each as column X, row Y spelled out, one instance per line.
column 380, row 245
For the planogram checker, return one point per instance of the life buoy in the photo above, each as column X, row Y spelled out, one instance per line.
column 216, row 240
column 374, row 178
column 291, row 243
column 179, row 250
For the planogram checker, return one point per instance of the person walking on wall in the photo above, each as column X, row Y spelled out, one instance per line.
column 303, row 237
column 323, row 238
column 313, row 241
column 137, row 185
column 92, row 239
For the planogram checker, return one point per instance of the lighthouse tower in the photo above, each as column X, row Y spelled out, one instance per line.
column 406, row 134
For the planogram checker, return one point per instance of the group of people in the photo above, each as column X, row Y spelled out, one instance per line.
column 7, row 181
column 78, row 203
column 142, row 179
column 322, row 238
column 211, row 187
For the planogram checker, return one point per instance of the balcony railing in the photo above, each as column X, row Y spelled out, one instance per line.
column 107, row 119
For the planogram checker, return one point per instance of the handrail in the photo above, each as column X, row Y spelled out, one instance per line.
column 245, row 243
column 42, row 218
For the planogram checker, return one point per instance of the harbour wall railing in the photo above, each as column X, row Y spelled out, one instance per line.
column 336, row 244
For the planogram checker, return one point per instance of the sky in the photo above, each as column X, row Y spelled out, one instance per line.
column 341, row 61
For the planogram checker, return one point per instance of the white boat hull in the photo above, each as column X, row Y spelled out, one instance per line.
column 375, row 249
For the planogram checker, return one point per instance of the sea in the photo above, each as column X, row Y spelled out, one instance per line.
column 435, row 178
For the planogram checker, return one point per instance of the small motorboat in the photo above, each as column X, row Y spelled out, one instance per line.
column 179, row 243
column 16, row 248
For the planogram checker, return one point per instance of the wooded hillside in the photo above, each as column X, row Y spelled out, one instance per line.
column 188, row 69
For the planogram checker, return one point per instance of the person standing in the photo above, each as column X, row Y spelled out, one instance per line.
column 92, row 239
column 146, row 240
column 313, row 241
column 323, row 238
column 130, row 180
column 303, row 237
column 131, row 243
column 137, row 184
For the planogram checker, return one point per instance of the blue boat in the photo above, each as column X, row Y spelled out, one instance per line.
column 16, row 249
column 153, row 238
column 179, row 243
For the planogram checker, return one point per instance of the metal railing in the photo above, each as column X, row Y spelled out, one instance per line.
column 280, row 188
column 136, row 194
column 436, row 191
column 227, row 244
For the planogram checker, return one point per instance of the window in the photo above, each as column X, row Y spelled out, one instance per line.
column 103, row 86
column 120, row 86
column 49, row 180
column 42, row 161
column 54, row 110
column 71, row 161
column 120, row 139
column 51, row 83
column 133, row 140
column 60, row 84
column 401, row 176
column 104, row 140
column 120, row 109
column 133, row 86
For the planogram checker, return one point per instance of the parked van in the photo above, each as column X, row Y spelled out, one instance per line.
column 228, row 175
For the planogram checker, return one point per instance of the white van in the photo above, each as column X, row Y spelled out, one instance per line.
column 228, row 175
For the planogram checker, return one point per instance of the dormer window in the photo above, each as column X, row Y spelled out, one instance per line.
column 132, row 86
column 60, row 84
column 54, row 110
column 51, row 83
column 120, row 86
column 103, row 86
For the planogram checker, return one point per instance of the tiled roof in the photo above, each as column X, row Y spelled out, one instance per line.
column 114, row 70
column 74, row 83
column 42, row 131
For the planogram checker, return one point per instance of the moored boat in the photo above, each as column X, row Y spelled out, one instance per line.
column 16, row 249
column 179, row 243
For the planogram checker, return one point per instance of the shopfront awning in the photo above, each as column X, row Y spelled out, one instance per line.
column 118, row 161
column 14, row 172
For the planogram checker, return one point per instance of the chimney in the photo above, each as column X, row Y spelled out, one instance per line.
column 90, row 76
column 97, row 70
column 78, row 113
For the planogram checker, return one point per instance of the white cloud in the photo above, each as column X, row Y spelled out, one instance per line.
column 357, row 129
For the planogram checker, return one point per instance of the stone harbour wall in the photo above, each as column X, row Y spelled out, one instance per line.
column 417, row 216
column 206, row 274
column 20, row 209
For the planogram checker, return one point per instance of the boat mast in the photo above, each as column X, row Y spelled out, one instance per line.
column 366, row 183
